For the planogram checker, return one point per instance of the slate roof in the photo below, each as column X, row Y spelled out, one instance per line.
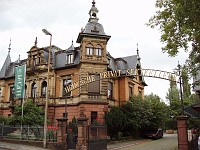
column 5, row 66
column 94, row 28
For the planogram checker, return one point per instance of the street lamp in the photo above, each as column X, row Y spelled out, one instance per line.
column 47, row 91
column 181, row 93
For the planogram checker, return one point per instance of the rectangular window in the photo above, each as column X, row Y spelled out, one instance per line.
column 70, row 58
column 11, row 93
column 89, row 51
column 130, row 91
column 66, row 82
column 93, row 116
column 110, row 90
column 98, row 51
column 94, row 87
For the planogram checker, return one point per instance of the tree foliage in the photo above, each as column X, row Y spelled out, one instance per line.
column 32, row 115
column 179, row 23
column 136, row 115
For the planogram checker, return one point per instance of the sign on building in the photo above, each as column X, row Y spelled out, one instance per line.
column 19, row 87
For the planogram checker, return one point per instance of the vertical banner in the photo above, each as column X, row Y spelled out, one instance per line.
column 19, row 86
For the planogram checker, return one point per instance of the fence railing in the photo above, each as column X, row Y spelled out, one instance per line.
column 26, row 132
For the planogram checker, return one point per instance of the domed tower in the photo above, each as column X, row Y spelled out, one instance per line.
column 93, row 41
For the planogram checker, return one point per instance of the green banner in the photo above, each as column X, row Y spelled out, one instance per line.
column 19, row 86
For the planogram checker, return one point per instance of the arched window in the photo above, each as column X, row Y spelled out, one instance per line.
column 44, row 89
column 98, row 50
column 33, row 90
column 89, row 49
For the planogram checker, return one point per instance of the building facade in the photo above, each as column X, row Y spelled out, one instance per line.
column 69, row 66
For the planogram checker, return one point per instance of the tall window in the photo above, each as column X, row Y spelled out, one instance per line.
column 130, row 91
column 11, row 93
column 94, row 87
column 44, row 89
column 99, row 50
column 34, row 60
column 66, row 82
column 33, row 90
column 26, row 94
column 110, row 90
column 70, row 58
column 0, row 92
column 89, row 49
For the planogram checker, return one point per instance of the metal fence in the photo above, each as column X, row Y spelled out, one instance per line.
column 26, row 132
column 97, row 137
column 193, row 140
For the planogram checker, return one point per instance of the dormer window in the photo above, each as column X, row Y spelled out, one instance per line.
column 98, row 50
column 70, row 59
column 89, row 49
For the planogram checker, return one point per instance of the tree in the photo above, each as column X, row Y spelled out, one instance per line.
column 116, row 122
column 179, row 23
column 159, row 109
column 32, row 115
column 174, row 104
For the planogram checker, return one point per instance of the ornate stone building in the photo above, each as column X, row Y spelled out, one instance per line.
column 71, row 66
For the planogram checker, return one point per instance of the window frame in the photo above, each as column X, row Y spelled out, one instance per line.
column 64, row 94
column 70, row 58
column 110, row 90
column 89, row 50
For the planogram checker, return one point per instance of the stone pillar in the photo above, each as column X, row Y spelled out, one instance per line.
column 82, row 131
column 182, row 132
column 62, row 126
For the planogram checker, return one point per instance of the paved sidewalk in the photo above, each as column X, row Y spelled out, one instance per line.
column 10, row 146
column 124, row 144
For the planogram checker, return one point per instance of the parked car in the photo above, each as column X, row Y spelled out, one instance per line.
column 153, row 133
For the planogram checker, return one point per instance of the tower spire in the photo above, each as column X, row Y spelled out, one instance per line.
column 36, row 42
column 9, row 48
column 138, row 56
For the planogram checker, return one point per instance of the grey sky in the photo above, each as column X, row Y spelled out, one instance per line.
column 124, row 20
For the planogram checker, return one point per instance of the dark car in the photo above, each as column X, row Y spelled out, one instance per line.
column 153, row 133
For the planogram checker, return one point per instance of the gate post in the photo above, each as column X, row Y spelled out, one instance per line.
column 61, row 135
column 82, row 131
column 182, row 132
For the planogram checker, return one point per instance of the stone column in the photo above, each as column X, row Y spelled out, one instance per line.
column 182, row 132
column 82, row 131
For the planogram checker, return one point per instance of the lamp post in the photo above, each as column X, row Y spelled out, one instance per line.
column 181, row 93
column 47, row 91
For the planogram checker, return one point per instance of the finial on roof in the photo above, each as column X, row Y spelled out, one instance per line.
column 36, row 42
column 93, row 13
column 93, row 3
column 9, row 48
column 19, row 59
column 138, row 56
